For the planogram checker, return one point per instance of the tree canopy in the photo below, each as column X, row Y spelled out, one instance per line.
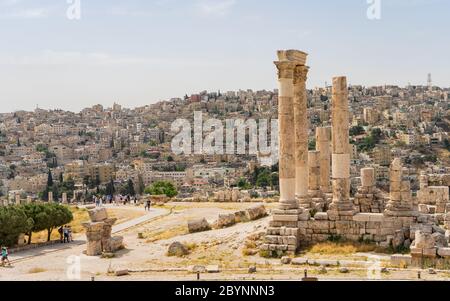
column 162, row 188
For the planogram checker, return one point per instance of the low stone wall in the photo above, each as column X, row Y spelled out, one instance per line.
column 287, row 232
column 365, row 226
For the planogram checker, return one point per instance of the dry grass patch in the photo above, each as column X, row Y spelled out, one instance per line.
column 157, row 235
column 341, row 248
column 36, row 270
column 124, row 215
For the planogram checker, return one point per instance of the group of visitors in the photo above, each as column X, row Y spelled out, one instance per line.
column 5, row 257
column 65, row 234
column 119, row 199
column 116, row 200
column 98, row 200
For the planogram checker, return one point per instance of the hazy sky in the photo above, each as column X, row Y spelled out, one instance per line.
column 137, row 52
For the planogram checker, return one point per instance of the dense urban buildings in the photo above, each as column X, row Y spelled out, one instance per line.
column 99, row 145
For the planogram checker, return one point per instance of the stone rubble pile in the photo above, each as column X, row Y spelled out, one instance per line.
column 98, row 233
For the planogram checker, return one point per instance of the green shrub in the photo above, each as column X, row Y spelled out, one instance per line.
column 13, row 222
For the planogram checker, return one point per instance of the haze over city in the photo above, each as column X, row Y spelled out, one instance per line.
column 140, row 52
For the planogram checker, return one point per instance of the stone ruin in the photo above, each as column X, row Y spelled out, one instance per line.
column 368, row 198
column 315, row 202
column 225, row 220
column 98, row 233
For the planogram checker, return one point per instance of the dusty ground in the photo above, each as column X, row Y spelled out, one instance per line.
column 146, row 257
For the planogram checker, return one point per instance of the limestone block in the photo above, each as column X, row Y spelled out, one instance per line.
column 444, row 252
column 98, row 214
column 177, row 249
column 256, row 212
column 285, row 218
column 287, row 212
column 226, row 220
column 322, row 216
column 423, row 240
column 440, row 240
column 116, row 243
column 367, row 177
column 94, row 248
column 399, row 259
column 399, row 239
column 240, row 216
column 423, row 208
column 430, row 252
column 299, row 261
column 319, row 224
column 198, row 225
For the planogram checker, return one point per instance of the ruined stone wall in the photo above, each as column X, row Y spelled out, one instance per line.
column 374, row 227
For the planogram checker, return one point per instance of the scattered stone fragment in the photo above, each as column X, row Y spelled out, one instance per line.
column 197, row 269
column 252, row 269
column 286, row 260
column 198, row 225
column 213, row 269
column 177, row 249
column 121, row 272
column 107, row 255
column 226, row 220
column 344, row 270
column 322, row 270
column 299, row 261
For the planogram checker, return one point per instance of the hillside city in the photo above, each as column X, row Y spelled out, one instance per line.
column 100, row 150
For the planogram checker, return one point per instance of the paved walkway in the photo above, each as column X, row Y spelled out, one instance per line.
column 80, row 239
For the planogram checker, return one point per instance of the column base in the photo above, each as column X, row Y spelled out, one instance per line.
column 288, row 205
column 341, row 210
column 304, row 202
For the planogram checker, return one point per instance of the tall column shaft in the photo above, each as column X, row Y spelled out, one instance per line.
column 323, row 145
column 341, row 149
column 301, row 131
column 314, row 173
column 286, row 125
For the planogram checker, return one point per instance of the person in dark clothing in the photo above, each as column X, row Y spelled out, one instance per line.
column 66, row 234
column 61, row 234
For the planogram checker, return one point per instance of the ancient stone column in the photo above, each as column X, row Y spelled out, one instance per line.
column 314, row 171
column 50, row 196
column 64, row 198
column 286, row 137
column 17, row 199
column 94, row 238
column 301, row 133
column 367, row 177
column 323, row 145
column 400, row 198
column 29, row 200
column 283, row 235
column 341, row 205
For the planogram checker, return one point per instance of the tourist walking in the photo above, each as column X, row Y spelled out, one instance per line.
column 66, row 234
column 69, row 230
column 61, row 234
column 147, row 205
column 5, row 256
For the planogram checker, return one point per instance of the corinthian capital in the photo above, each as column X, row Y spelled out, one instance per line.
column 285, row 69
column 300, row 74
